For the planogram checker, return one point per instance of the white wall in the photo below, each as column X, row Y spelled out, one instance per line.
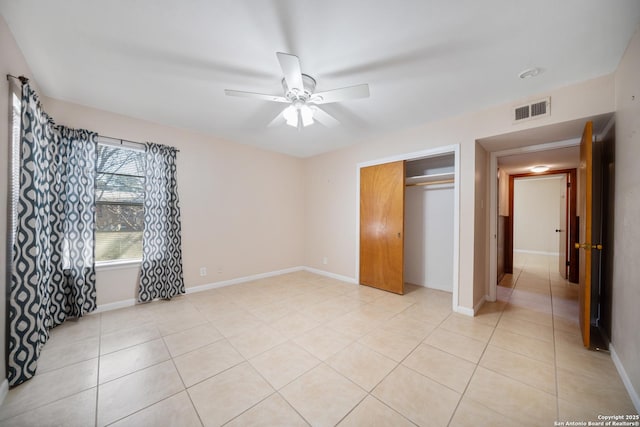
column 626, row 268
column 536, row 214
column 428, row 231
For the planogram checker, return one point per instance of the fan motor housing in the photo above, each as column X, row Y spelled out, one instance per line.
column 308, row 84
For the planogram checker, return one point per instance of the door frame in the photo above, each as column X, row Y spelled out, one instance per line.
column 447, row 149
column 572, row 205
column 492, row 271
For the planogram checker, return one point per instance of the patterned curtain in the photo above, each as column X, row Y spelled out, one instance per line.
column 52, row 271
column 161, row 270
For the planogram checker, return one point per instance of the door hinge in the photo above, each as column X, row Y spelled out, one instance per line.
column 568, row 184
column 568, row 263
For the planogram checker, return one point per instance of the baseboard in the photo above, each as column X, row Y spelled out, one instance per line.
column 131, row 302
column 239, row 280
column 331, row 275
column 525, row 251
column 200, row 288
column 115, row 305
column 478, row 306
column 4, row 390
column 633, row 394
column 443, row 288
column 471, row 312
column 464, row 310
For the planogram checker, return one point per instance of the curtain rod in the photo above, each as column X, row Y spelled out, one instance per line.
column 22, row 79
column 25, row 80
column 126, row 140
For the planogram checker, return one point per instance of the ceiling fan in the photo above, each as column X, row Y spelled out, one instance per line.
column 299, row 93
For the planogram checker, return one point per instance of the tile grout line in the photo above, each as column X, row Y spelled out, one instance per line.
column 475, row 368
column 483, row 352
column 369, row 393
column 186, row 390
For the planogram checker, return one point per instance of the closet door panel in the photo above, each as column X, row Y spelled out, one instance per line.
column 382, row 226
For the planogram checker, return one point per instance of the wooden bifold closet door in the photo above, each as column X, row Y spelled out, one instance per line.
column 382, row 190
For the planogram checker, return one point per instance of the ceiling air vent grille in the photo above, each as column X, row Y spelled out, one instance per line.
column 522, row 113
column 532, row 110
column 539, row 109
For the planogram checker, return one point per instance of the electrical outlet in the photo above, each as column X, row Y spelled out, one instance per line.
column 219, row 270
column 203, row 271
column 325, row 260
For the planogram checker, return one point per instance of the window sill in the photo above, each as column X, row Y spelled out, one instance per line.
column 118, row 264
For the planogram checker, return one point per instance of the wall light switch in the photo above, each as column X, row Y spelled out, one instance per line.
column 203, row 271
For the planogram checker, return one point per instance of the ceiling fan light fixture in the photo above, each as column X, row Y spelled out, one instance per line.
column 299, row 92
column 306, row 114
column 297, row 114
column 290, row 114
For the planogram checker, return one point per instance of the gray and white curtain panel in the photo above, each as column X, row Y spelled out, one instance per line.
column 53, row 270
column 161, row 270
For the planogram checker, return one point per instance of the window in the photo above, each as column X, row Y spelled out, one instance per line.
column 14, row 181
column 119, row 203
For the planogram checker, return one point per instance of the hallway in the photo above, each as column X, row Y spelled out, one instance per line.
column 541, row 306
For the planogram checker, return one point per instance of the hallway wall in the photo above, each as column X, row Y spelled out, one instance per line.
column 626, row 270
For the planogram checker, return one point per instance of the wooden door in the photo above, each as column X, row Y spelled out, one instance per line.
column 573, row 226
column 382, row 226
column 562, row 230
column 587, row 246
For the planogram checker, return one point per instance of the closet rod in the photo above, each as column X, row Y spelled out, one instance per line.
column 126, row 140
column 442, row 181
column 22, row 79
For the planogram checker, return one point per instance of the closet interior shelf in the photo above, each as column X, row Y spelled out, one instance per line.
column 433, row 179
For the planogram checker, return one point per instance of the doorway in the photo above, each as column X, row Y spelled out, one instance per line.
column 542, row 219
column 531, row 143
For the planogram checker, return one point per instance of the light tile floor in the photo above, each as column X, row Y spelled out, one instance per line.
column 302, row 349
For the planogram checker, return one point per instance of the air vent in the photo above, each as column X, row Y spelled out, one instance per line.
column 532, row 110
column 522, row 113
column 539, row 109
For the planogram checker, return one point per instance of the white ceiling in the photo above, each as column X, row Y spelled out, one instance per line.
column 558, row 159
column 169, row 61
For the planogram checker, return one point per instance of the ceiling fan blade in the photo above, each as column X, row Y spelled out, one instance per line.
column 254, row 95
column 342, row 94
column 324, row 118
column 278, row 120
column 290, row 65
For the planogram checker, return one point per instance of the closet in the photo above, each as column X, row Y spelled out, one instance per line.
column 406, row 223
column 429, row 204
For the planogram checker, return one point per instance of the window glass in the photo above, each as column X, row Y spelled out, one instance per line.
column 15, row 171
column 119, row 203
